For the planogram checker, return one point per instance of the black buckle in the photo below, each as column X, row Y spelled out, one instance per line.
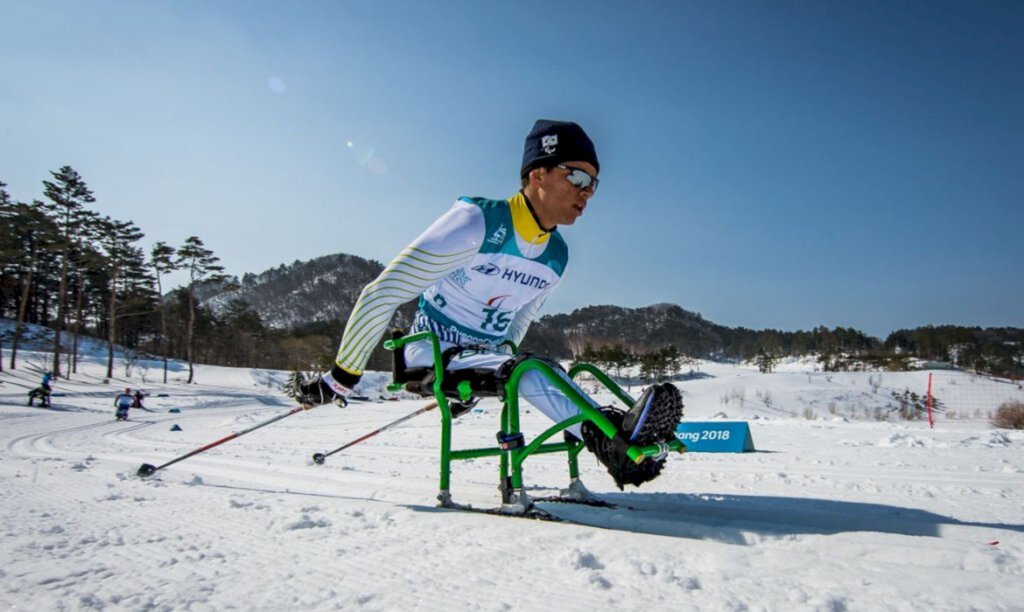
column 511, row 441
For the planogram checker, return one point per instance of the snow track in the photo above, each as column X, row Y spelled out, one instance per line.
column 830, row 516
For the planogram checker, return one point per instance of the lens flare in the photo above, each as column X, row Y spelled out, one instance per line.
column 366, row 157
column 377, row 166
column 276, row 85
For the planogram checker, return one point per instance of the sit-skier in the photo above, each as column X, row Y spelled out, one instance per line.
column 42, row 392
column 123, row 402
column 481, row 273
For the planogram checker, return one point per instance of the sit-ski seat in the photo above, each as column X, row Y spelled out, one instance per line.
column 457, row 391
column 464, row 386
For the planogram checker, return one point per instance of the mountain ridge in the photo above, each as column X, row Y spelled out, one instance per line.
column 320, row 293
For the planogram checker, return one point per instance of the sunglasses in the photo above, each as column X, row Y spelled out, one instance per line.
column 579, row 178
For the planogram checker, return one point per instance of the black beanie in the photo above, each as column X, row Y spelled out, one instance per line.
column 550, row 143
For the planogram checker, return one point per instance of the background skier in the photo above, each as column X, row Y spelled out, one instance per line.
column 42, row 392
column 123, row 402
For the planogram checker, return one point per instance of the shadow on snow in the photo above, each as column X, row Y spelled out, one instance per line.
column 744, row 519
column 731, row 519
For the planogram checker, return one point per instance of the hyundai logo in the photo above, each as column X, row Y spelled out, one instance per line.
column 488, row 269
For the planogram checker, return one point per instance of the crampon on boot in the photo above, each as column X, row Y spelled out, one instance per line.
column 655, row 415
column 651, row 420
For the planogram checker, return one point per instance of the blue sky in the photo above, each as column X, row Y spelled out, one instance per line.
column 767, row 164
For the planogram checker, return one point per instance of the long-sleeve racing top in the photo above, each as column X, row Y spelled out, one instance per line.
column 482, row 272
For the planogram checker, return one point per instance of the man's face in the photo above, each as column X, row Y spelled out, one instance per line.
column 559, row 202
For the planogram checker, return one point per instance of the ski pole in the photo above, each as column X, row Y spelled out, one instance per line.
column 319, row 458
column 147, row 470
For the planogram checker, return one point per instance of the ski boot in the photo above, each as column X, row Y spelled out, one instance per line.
column 651, row 420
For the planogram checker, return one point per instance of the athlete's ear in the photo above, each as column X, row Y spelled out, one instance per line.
column 537, row 175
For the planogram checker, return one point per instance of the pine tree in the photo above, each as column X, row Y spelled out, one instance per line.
column 766, row 361
column 84, row 258
column 202, row 266
column 137, row 318
column 116, row 238
column 27, row 236
column 243, row 334
column 7, row 243
column 162, row 260
column 68, row 195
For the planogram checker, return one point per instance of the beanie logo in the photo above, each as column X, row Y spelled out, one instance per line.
column 549, row 143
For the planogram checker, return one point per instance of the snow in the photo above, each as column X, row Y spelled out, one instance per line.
column 835, row 511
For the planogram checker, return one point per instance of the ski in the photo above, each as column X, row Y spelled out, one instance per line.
column 534, row 514
column 539, row 514
column 593, row 503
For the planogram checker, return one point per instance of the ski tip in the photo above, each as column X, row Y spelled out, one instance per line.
column 146, row 470
column 319, row 458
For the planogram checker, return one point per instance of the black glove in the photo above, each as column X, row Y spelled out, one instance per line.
column 331, row 387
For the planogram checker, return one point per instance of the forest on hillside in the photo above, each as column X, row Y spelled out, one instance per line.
column 667, row 329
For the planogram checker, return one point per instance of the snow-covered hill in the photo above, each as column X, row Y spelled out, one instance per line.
column 323, row 289
column 836, row 510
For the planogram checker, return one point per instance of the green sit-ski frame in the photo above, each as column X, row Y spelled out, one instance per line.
column 514, row 451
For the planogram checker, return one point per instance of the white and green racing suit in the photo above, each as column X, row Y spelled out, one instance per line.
column 482, row 272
